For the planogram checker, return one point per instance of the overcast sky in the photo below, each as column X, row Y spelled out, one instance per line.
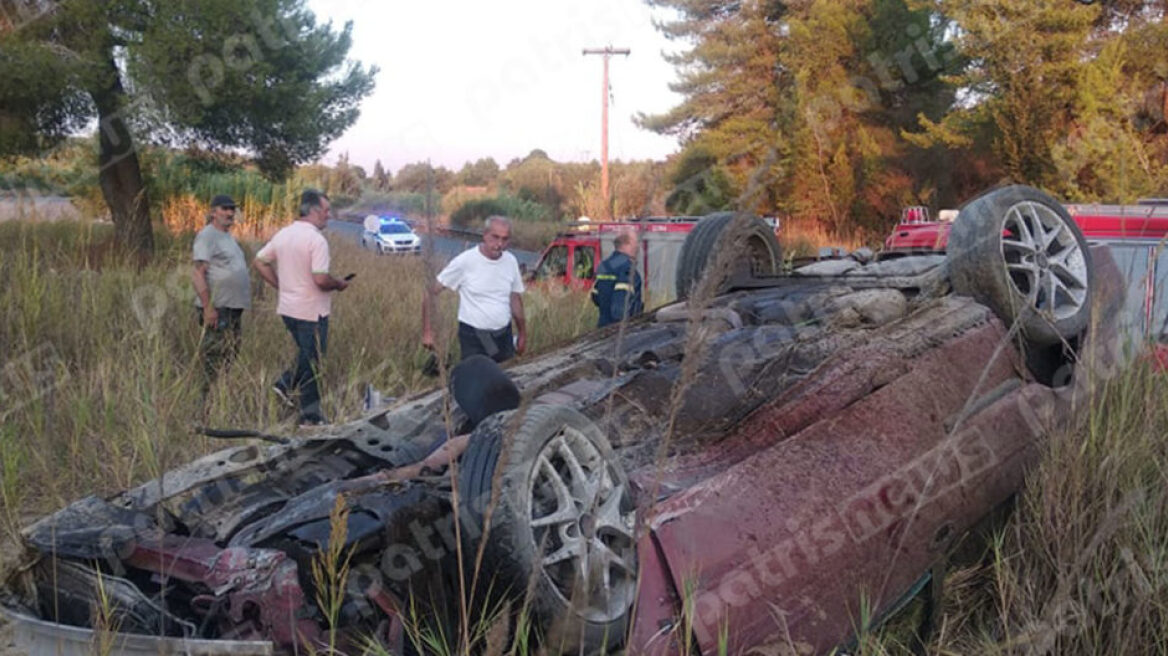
column 464, row 79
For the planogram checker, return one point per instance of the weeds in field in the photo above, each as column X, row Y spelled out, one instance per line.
column 106, row 623
column 330, row 570
column 805, row 238
column 112, row 394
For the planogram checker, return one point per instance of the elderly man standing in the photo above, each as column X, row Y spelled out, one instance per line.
column 300, row 254
column 490, row 290
column 222, row 289
column 617, row 289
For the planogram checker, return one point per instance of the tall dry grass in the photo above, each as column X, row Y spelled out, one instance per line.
column 256, row 219
column 805, row 238
column 100, row 386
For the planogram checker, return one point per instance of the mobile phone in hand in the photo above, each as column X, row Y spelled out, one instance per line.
column 350, row 277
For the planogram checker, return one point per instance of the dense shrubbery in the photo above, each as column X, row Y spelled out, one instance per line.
column 472, row 213
column 407, row 203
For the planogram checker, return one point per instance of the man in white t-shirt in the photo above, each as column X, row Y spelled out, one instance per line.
column 490, row 290
column 296, row 263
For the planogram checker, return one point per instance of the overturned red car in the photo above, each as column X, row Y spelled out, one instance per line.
column 775, row 464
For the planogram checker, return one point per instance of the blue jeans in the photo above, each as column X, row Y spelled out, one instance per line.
column 311, row 338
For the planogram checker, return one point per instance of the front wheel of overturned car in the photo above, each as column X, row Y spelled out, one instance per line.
column 1018, row 251
column 543, row 496
column 755, row 251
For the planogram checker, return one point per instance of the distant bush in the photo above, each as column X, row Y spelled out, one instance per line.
column 472, row 212
column 406, row 203
column 341, row 201
column 461, row 195
column 68, row 171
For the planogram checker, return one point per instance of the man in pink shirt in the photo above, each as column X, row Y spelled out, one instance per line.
column 296, row 263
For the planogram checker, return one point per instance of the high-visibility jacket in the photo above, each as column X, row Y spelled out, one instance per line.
column 617, row 289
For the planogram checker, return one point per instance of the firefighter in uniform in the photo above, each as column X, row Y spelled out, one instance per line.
column 617, row 289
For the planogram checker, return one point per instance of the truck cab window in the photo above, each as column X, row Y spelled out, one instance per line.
column 554, row 264
column 584, row 267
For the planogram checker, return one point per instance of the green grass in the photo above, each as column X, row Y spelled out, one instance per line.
column 100, row 388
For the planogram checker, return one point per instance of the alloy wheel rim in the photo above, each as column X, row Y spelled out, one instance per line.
column 1044, row 260
column 583, row 527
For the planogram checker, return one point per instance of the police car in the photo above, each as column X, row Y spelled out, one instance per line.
column 387, row 234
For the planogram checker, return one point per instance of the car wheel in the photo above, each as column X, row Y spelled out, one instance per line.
column 711, row 234
column 561, row 523
column 1018, row 251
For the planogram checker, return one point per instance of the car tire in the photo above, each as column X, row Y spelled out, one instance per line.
column 530, row 475
column 711, row 234
column 1019, row 252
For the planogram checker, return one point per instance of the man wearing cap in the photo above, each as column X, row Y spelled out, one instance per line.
column 222, row 289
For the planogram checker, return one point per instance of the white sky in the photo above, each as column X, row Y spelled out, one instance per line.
column 464, row 79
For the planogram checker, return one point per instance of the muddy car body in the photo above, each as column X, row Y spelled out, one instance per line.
column 786, row 461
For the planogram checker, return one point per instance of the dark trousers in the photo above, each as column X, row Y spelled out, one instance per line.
column 311, row 338
column 495, row 344
column 220, row 345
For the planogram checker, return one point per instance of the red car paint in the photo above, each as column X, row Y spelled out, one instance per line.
column 826, row 497
column 262, row 581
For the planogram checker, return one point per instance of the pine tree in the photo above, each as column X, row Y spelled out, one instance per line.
column 1026, row 64
column 729, row 80
column 802, row 103
column 380, row 177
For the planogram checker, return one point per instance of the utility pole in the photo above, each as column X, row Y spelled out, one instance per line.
column 607, row 51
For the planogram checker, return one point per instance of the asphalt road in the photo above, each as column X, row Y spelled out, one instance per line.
column 444, row 247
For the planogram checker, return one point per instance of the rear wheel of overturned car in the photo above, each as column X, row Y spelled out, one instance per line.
column 756, row 252
column 543, row 496
column 1018, row 251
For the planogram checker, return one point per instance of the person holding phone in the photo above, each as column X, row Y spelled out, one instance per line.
column 222, row 289
column 296, row 263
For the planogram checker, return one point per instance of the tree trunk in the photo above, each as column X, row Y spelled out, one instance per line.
column 119, row 172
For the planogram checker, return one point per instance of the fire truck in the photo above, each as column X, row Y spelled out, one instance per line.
column 572, row 257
